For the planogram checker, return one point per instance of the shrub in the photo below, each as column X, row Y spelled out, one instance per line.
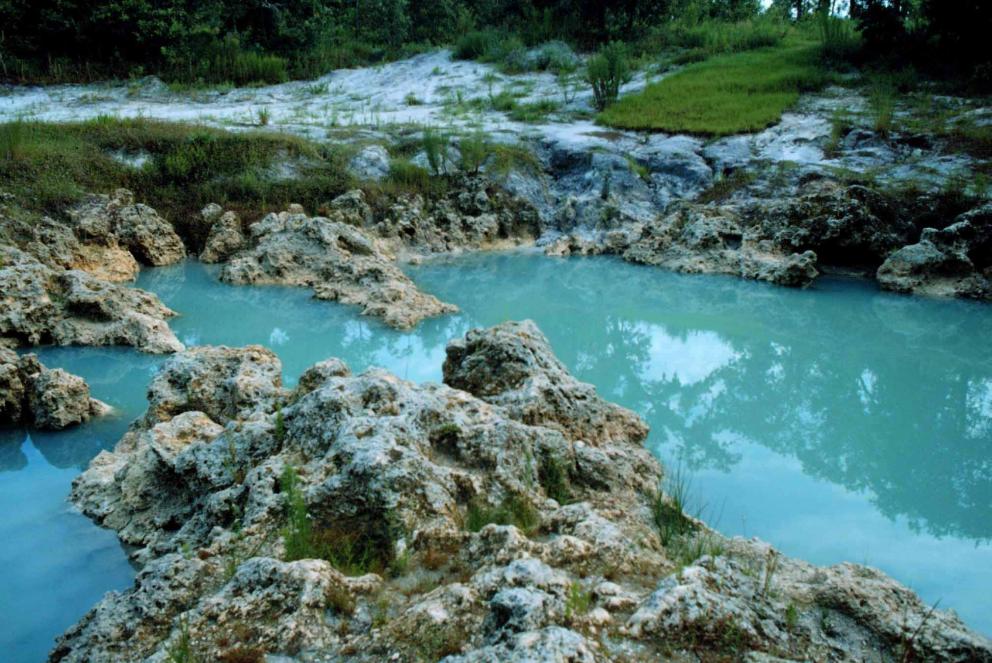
column 513, row 510
column 839, row 42
column 298, row 533
column 533, row 112
column 503, row 102
column 606, row 72
column 474, row 150
column 577, row 602
column 409, row 176
column 13, row 137
column 476, row 44
column 553, row 476
column 436, row 148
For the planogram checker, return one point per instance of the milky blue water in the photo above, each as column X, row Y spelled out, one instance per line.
column 838, row 423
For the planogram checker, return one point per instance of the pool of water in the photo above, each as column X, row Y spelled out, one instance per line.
column 839, row 423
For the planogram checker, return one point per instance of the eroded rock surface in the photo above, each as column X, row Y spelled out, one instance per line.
column 442, row 523
column 151, row 239
column 59, row 278
column 44, row 398
column 41, row 304
column 475, row 215
column 338, row 260
column 226, row 236
column 953, row 262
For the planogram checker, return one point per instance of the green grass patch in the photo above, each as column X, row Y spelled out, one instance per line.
column 725, row 95
column 513, row 510
column 50, row 166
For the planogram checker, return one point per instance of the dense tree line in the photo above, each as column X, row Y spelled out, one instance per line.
column 242, row 40
column 184, row 38
column 945, row 37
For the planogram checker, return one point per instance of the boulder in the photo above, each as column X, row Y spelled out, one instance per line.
column 512, row 365
column 953, row 262
column 340, row 262
column 44, row 305
column 371, row 163
column 45, row 398
column 366, row 518
column 137, row 227
column 225, row 237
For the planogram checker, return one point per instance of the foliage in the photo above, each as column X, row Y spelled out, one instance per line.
column 436, row 149
column 577, row 602
column 606, row 72
column 553, row 476
column 513, row 510
column 701, row 39
column 473, row 149
column 51, row 165
column 181, row 650
column 352, row 548
column 729, row 94
column 297, row 535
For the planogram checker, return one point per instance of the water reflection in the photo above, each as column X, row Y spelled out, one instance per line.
column 842, row 424
column 877, row 393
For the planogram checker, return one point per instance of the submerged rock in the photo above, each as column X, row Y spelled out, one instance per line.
column 44, row 398
column 338, row 261
column 514, row 518
column 953, row 262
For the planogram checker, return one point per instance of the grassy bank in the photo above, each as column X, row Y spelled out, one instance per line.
column 724, row 95
column 176, row 168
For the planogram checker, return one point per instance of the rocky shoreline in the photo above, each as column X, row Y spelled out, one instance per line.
column 64, row 281
column 44, row 398
column 510, row 514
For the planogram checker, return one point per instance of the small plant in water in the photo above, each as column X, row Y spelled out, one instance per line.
column 263, row 117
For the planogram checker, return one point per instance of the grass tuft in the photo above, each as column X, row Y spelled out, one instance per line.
column 513, row 510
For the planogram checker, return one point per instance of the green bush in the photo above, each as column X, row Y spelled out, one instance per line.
column 554, row 479
column 533, row 112
column 408, row 176
column 474, row 150
column 606, row 72
column 714, row 37
column 513, row 510
column 297, row 535
column 476, row 45
column 13, row 137
column 839, row 41
column 436, row 149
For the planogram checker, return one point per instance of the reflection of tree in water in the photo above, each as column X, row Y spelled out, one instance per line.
column 887, row 394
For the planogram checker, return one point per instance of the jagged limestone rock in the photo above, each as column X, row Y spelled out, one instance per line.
column 468, row 545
